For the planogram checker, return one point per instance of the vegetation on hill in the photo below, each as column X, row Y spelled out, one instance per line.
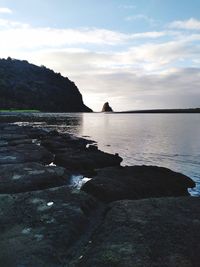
column 28, row 87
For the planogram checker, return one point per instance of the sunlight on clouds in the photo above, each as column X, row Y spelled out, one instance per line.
column 16, row 35
column 26, row 36
column 129, row 70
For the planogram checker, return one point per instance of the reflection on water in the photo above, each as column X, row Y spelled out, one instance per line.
column 169, row 140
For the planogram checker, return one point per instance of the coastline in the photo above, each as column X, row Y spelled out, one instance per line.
column 162, row 111
column 41, row 209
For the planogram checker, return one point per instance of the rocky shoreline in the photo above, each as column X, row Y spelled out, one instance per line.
column 123, row 216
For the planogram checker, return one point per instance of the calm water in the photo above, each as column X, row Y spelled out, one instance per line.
column 169, row 140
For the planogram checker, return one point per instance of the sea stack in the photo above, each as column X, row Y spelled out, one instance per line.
column 107, row 108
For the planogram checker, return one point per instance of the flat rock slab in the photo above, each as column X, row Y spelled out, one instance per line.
column 10, row 137
column 16, row 142
column 25, row 153
column 135, row 182
column 16, row 178
column 86, row 159
column 38, row 228
column 61, row 143
column 151, row 232
column 16, row 132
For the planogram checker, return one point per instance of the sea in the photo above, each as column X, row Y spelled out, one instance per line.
column 168, row 140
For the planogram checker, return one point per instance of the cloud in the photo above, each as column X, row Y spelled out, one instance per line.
column 148, row 35
column 148, row 58
column 190, row 24
column 130, row 70
column 142, row 17
column 16, row 35
column 161, row 54
column 127, row 6
column 126, row 80
column 10, row 24
column 26, row 36
column 131, row 91
column 5, row 10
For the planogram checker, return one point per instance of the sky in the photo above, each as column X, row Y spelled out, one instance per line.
column 135, row 54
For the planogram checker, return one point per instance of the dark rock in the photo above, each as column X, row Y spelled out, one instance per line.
column 4, row 143
column 38, row 228
column 92, row 147
column 106, row 108
column 25, row 153
column 137, row 182
column 151, row 232
column 26, row 86
column 16, row 178
column 86, row 160
column 11, row 137
column 14, row 132
column 63, row 142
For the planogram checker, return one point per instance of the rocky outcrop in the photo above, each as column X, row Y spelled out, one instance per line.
column 25, row 153
column 74, row 155
column 135, row 182
column 25, row 177
column 86, row 160
column 106, row 108
column 151, row 232
column 46, row 221
column 38, row 228
column 26, row 86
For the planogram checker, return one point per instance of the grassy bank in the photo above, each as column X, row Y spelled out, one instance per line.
column 19, row 110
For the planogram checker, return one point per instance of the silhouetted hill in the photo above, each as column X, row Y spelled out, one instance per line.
column 26, row 86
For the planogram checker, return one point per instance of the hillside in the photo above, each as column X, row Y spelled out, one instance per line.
column 26, row 86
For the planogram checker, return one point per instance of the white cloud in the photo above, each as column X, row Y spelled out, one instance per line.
column 190, row 24
column 129, row 79
column 142, row 17
column 26, row 36
column 5, row 10
column 163, row 53
column 16, row 35
column 136, row 70
column 6, row 24
column 128, row 91
column 152, row 35
column 127, row 6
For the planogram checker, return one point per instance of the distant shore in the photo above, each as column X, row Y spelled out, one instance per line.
column 189, row 110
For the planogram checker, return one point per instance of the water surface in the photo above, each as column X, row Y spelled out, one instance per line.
column 168, row 140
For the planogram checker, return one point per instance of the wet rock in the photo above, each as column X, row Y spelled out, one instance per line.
column 16, row 142
column 14, row 132
column 9, row 137
column 151, row 232
column 92, row 147
column 38, row 228
column 62, row 143
column 135, row 182
column 16, row 178
column 86, row 160
column 25, row 153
